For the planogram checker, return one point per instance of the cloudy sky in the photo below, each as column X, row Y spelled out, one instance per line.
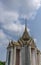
column 12, row 22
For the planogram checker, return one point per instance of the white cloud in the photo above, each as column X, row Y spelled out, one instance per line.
column 15, row 27
column 3, row 39
column 26, row 8
column 8, row 16
column 2, row 35
column 36, row 3
column 7, row 19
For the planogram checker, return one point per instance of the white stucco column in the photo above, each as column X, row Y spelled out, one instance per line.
column 36, row 56
column 7, row 57
column 20, row 57
column 40, row 58
column 30, row 54
column 14, row 56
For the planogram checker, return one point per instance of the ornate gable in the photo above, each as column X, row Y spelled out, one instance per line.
column 25, row 35
column 25, row 39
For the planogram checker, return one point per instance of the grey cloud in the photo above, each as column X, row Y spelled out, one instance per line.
column 22, row 7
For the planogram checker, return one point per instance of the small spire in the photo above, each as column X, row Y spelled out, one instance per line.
column 25, row 24
column 25, row 36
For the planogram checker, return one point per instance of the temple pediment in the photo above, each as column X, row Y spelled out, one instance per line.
column 25, row 35
column 24, row 40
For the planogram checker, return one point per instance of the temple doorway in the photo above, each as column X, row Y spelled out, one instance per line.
column 17, row 56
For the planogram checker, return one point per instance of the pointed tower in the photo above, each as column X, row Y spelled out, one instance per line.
column 25, row 35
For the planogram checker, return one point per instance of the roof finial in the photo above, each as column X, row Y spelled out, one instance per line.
column 25, row 24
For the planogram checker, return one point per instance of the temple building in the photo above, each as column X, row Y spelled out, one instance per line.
column 23, row 52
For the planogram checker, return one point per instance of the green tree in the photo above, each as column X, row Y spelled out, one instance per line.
column 2, row 63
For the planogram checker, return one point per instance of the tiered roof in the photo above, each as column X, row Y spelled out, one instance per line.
column 24, row 40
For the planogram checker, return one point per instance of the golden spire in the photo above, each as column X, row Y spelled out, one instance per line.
column 25, row 25
column 25, row 34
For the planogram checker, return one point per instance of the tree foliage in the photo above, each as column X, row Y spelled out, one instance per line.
column 2, row 63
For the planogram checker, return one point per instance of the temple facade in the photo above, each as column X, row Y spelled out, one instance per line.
column 23, row 52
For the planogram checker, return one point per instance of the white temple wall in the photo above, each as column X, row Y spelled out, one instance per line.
column 25, row 56
column 14, row 56
column 36, row 56
column 33, row 57
column 7, row 57
column 40, row 58
column 22, row 56
column 8, row 49
column 28, row 56
column 29, row 48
